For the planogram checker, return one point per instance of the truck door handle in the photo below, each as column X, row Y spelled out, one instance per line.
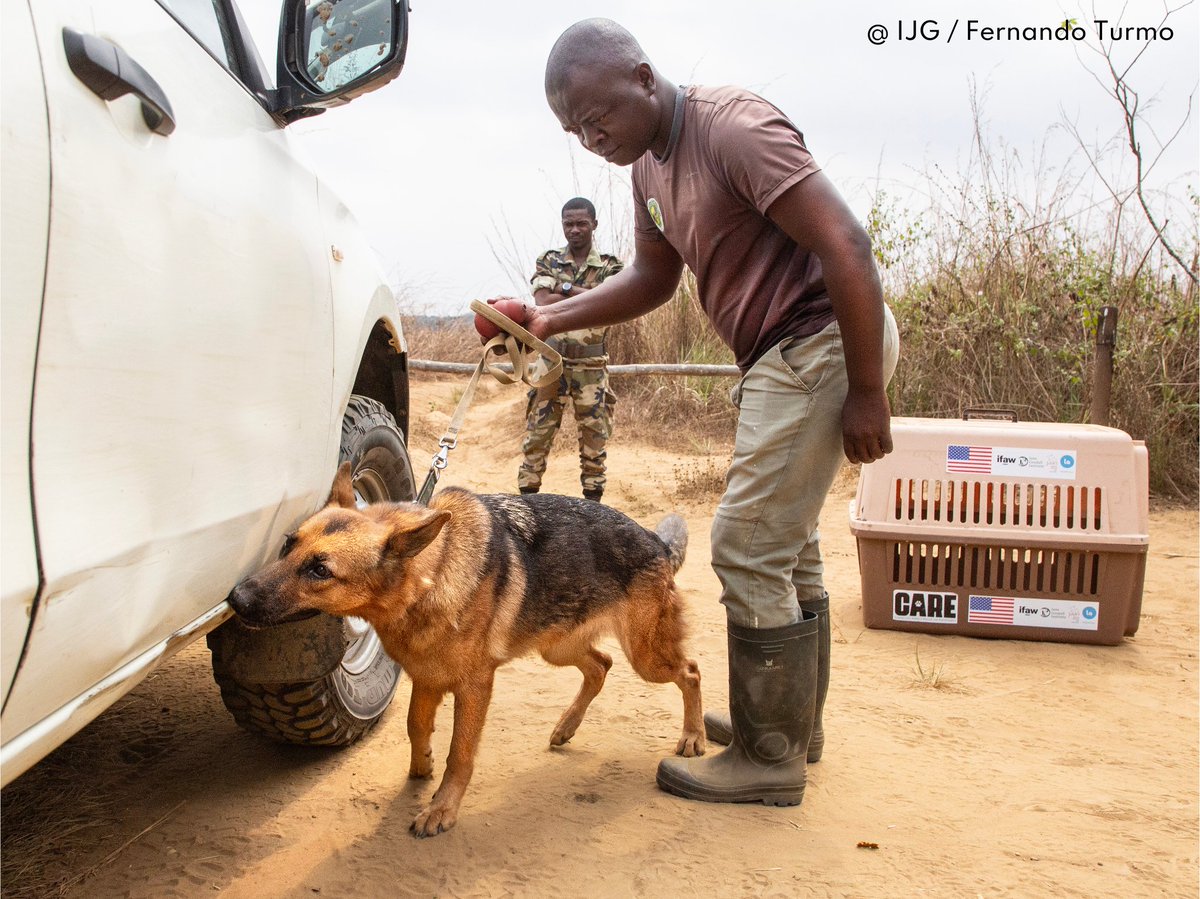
column 110, row 72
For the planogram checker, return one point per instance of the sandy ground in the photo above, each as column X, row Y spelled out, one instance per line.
column 978, row 767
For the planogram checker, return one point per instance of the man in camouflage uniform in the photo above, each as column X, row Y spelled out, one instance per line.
column 568, row 272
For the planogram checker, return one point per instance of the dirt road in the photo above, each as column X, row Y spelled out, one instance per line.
column 978, row 767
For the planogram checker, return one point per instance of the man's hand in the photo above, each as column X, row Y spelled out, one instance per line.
column 536, row 324
column 866, row 425
column 644, row 285
column 515, row 309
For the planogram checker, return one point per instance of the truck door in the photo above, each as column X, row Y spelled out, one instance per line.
column 25, row 207
column 183, row 397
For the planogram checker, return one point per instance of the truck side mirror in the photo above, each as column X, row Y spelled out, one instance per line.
column 331, row 51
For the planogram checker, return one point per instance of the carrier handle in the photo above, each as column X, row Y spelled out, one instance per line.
column 978, row 413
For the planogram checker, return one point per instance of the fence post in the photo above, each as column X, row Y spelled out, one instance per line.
column 1102, row 373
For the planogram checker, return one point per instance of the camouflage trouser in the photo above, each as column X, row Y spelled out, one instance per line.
column 593, row 403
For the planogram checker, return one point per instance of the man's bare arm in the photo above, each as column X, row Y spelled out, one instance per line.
column 814, row 215
column 648, row 282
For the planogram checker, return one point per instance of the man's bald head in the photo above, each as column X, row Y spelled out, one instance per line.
column 592, row 46
column 601, row 88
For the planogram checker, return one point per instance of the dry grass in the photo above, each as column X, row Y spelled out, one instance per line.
column 27, row 869
column 441, row 339
column 700, row 478
column 684, row 414
column 933, row 676
column 1015, row 328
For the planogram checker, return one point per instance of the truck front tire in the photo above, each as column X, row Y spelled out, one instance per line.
column 339, row 707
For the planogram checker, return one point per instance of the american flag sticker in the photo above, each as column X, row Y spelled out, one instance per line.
column 976, row 459
column 990, row 610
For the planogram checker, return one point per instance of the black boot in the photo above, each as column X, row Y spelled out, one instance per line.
column 772, row 692
column 820, row 607
column 717, row 726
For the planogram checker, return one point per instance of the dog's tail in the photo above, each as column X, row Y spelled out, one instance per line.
column 672, row 531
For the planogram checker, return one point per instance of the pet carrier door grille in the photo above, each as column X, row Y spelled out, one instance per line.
column 958, row 566
column 1041, row 506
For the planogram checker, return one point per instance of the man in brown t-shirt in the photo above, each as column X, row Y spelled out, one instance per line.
column 723, row 182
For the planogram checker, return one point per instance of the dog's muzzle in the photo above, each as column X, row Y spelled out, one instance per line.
column 246, row 604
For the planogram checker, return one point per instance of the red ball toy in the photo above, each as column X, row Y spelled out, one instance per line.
column 514, row 309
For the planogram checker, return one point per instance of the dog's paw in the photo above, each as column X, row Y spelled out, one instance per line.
column 691, row 745
column 434, row 819
column 421, row 767
column 561, row 736
column 567, row 725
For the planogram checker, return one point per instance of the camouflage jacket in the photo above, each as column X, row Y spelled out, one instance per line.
column 555, row 268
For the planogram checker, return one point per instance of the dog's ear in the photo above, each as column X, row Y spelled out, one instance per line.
column 415, row 532
column 342, row 493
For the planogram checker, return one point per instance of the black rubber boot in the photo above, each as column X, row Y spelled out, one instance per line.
column 772, row 692
column 820, row 606
column 717, row 727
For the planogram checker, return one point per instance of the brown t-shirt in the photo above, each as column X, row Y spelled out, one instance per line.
column 734, row 156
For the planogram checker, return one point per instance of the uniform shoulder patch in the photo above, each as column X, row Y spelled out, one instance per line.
column 655, row 211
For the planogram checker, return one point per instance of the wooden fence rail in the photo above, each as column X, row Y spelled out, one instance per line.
column 649, row 368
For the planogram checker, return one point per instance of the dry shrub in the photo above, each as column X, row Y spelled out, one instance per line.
column 684, row 414
column 998, row 285
column 1020, row 333
column 441, row 338
column 700, row 478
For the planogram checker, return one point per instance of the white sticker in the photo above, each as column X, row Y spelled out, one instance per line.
column 926, row 607
column 1064, row 614
column 1013, row 462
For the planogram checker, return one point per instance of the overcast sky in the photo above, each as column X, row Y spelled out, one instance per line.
column 459, row 160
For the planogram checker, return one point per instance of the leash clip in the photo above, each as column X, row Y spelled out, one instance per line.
column 442, row 459
column 437, row 466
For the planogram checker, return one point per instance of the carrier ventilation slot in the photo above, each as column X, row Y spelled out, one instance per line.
column 964, row 566
column 1001, row 504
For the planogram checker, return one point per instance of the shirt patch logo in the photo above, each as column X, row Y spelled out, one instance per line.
column 655, row 212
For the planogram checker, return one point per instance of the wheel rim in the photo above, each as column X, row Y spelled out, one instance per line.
column 362, row 646
column 369, row 487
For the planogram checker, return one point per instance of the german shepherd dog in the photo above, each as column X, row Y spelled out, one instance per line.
column 460, row 587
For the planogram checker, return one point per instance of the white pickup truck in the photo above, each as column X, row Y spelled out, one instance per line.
column 195, row 333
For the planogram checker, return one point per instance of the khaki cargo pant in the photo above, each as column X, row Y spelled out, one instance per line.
column 765, row 544
column 592, row 402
